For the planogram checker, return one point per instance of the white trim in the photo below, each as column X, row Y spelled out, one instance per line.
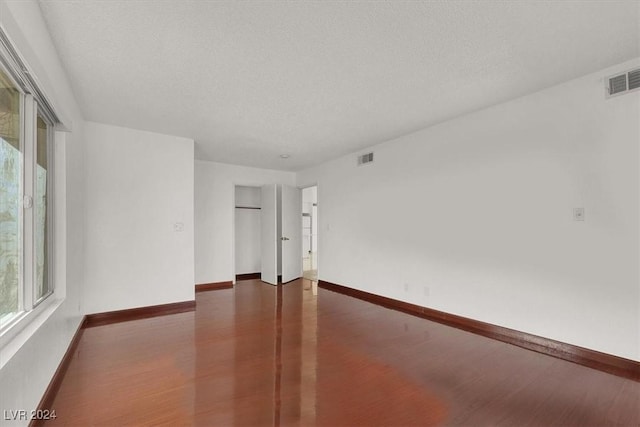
column 21, row 281
column 234, row 266
column 31, row 110
column 58, row 256
column 14, row 337
column 318, row 238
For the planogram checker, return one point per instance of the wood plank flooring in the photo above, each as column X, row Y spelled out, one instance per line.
column 266, row 356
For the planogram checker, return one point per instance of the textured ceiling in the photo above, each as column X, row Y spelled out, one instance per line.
column 252, row 80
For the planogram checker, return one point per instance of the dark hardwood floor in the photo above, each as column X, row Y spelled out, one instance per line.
column 267, row 356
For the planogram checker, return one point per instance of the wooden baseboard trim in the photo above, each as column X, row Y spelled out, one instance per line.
column 49, row 395
column 247, row 276
column 213, row 286
column 615, row 365
column 99, row 319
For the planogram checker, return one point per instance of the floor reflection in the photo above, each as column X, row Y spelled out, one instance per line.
column 274, row 363
column 261, row 355
column 278, row 358
column 294, row 367
column 308, row 365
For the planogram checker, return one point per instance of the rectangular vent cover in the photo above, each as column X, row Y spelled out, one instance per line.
column 622, row 83
column 365, row 158
column 634, row 79
column 617, row 84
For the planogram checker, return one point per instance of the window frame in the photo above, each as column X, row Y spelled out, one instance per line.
column 33, row 104
column 15, row 317
column 50, row 222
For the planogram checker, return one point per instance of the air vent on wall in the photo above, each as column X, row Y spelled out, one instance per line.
column 634, row 79
column 365, row 159
column 623, row 83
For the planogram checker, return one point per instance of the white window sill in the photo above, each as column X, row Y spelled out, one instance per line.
column 17, row 335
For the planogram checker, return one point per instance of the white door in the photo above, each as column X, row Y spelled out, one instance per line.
column 291, row 233
column 269, row 237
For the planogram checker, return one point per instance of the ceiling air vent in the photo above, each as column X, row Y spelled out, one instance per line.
column 365, row 159
column 623, row 83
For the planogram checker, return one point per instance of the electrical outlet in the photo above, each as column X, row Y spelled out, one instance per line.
column 425, row 291
column 406, row 287
column 578, row 214
column 178, row 226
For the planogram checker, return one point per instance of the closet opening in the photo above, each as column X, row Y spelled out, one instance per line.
column 248, row 232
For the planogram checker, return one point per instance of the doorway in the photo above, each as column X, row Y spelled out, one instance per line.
column 281, row 234
column 310, row 233
column 248, row 232
column 268, row 233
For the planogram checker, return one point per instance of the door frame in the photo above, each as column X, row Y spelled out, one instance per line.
column 233, row 219
column 318, row 238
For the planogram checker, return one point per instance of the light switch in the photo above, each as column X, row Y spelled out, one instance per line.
column 578, row 214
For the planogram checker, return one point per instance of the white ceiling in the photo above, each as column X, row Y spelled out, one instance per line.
column 250, row 80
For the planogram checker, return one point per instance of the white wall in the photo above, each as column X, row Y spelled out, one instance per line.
column 247, row 241
column 248, row 230
column 26, row 374
column 138, row 186
column 248, row 196
column 474, row 216
column 214, row 214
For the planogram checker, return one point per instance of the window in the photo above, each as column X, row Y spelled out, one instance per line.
column 26, row 132
column 10, row 199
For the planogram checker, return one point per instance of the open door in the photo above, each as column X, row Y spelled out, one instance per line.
column 269, row 235
column 291, row 238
